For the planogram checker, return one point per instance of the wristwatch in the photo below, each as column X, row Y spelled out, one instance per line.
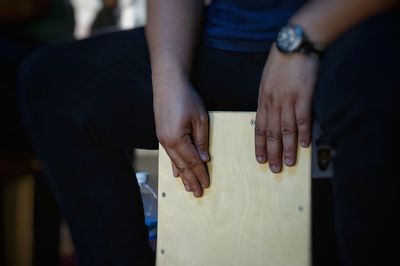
column 292, row 39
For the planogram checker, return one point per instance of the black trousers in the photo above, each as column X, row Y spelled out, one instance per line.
column 87, row 103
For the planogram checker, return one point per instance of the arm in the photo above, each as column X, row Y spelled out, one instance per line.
column 286, row 90
column 326, row 20
column 181, row 119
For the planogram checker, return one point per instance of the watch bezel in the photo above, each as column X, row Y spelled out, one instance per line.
column 295, row 45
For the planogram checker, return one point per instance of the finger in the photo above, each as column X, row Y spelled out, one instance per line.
column 174, row 170
column 260, row 134
column 274, row 140
column 200, row 138
column 303, row 121
column 289, row 134
column 190, row 182
column 186, row 185
column 191, row 160
column 176, row 174
column 189, row 179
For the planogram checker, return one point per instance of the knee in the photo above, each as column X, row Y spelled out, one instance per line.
column 32, row 77
column 36, row 73
column 41, row 87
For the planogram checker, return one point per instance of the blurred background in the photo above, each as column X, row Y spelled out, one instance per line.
column 32, row 230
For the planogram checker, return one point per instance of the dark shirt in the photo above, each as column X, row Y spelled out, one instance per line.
column 246, row 25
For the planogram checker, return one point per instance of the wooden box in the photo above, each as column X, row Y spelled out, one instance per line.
column 248, row 217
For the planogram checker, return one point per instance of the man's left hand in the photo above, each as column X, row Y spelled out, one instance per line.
column 284, row 107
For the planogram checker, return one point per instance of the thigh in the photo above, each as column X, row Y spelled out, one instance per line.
column 104, row 82
column 355, row 103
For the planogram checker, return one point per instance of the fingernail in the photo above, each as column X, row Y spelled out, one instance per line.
column 274, row 168
column 304, row 143
column 187, row 188
column 260, row 158
column 197, row 194
column 288, row 161
column 205, row 157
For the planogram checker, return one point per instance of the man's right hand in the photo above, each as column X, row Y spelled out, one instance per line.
column 172, row 31
column 182, row 129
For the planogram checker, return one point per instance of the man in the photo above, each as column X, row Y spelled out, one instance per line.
column 86, row 108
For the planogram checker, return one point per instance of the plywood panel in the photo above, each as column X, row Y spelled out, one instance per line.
column 249, row 216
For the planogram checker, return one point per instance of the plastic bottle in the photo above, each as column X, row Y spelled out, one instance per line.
column 149, row 198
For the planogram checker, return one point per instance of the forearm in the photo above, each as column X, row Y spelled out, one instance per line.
column 325, row 20
column 172, row 32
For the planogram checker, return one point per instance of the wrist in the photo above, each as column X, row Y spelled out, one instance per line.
column 169, row 78
column 170, row 83
column 293, row 39
column 286, row 58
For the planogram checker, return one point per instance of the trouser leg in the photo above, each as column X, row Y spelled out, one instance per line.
column 79, row 111
column 355, row 103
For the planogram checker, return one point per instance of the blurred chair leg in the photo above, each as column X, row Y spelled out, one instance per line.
column 18, row 212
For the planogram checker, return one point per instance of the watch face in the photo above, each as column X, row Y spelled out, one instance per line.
column 289, row 38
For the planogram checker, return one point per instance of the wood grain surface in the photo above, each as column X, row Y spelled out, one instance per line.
column 249, row 216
